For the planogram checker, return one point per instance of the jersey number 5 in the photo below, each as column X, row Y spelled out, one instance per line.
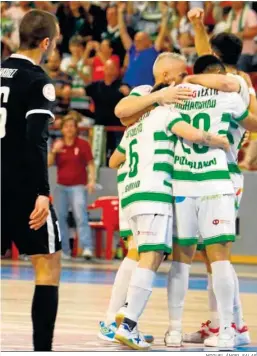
column 4, row 94
column 133, row 159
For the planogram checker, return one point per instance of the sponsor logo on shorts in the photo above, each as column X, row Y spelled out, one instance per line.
column 217, row 222
column 146, row 233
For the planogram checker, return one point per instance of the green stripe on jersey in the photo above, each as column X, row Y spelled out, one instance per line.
column 164, row 152
column 233, row 168
column 162, row 136
column 121, row 150
column 147, row 196
column 174, row 122
column 168, row 184
column 234, row 125
column 163, row 167
column 121, row 177
column 189, row 176
column 242, row 117
column 135, row 94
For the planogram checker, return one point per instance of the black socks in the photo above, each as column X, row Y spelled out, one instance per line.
column 44, row 310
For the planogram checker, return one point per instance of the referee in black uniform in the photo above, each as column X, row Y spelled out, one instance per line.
column 28, row 219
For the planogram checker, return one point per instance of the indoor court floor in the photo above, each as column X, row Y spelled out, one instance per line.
column 84, row 295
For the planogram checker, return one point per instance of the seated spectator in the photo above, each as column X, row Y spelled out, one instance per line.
column 73, row 156
column 62, row 84
column 142, row 52
column 73, row 65
column 106, row 94
column 242, row 21
column 113, row 32
column 103, row 52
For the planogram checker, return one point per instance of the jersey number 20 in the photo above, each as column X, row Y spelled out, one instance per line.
column 4, row 94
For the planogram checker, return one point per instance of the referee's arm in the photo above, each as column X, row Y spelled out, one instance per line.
column 41, row 101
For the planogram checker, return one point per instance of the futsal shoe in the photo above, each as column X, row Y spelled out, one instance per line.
column 242, row 337
column 173, row 338
column 226, row 339
column 107, row 332
column 201, row 335
column 131, row 338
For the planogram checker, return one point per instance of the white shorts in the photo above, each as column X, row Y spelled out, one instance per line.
column 206, row 220
column 124, row 227
column 152, row 232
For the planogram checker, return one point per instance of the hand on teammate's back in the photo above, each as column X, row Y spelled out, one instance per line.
column 174, row 95
column 39, row 215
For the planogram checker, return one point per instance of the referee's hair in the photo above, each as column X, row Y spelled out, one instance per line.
column 35, row 26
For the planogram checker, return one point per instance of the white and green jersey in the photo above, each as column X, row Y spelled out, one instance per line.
column 201, row 170
column 141, row 90
column 149, row 148
column 235, row 136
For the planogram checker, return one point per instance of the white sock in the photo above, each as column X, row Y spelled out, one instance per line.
column 214, row 316
column 178, row 279
column 238, row 312
column 120, row 288
column 223, row 286
column 139, row 291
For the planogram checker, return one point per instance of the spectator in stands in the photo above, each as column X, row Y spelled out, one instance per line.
column 16, row 12
column 103, row 52
column 113, row 32
column 97, row 18
column 242, row 21
column 142, row 52
column 106, row 94
column 62, row 84
column 73, row 20
column 73, row 157
column 222, row 26
column 73, row 65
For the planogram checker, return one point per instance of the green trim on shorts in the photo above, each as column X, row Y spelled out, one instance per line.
column 147, row 196
column 233, row 168
column 218, row 239
column 189, row 176
column 152, row 247
column 125, row 233
column 185, row 241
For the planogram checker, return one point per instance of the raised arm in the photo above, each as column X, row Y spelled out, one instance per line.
column 215, row 81
column 163, row 28
column 202, row 44
column 124, row 35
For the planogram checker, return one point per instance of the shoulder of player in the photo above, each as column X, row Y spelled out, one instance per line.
column 141, row 90
column 39, row 80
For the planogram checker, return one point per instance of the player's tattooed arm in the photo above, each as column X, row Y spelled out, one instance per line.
column 215, row 81
column 116, row 159
column 190, row 133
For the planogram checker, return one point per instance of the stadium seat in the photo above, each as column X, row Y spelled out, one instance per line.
column 109, row 222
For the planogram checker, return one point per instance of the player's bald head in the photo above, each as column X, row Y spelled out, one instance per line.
column 169, row 67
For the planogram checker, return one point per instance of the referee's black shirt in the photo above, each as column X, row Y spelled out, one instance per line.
column 27, row 100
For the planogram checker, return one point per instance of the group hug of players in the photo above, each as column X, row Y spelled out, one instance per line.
column 180, row 189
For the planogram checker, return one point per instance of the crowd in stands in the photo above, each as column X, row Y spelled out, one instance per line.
column 107, row 47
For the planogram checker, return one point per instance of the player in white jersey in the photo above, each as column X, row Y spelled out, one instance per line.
column 204, row 204
column 171, row 70
column 147, row 202
column 228, row 48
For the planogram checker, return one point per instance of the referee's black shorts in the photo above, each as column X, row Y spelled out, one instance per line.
column 15, row 212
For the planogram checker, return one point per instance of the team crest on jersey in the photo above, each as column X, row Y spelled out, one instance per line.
column 49, row 92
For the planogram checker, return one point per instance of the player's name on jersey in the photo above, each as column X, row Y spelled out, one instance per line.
column 197, row 105
column 131, row 186
column 134, row 131
column 7, row 72
column 196, row 165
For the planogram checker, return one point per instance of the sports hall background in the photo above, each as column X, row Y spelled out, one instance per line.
column 91, row 30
